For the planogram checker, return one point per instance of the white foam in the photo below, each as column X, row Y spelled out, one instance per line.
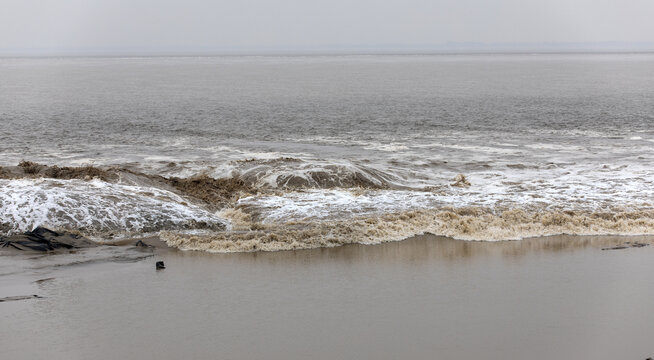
column 392, row 147
column 557, row 147
column 586, row 189
column 96, row 207
column 332, row 204
column 475, row 148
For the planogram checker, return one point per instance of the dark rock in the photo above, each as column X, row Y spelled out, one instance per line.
column 42, row 239
column 160, row 265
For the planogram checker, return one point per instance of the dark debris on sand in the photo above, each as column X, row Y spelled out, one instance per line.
column 17, row 298
column 627, row 245
column 42, row 239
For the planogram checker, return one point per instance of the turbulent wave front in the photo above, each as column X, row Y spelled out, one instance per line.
column 293, row 173
column 96, row 207
column 464, row 224
column 289, row 203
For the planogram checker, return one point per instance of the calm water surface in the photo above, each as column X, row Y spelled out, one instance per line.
column 425, row 298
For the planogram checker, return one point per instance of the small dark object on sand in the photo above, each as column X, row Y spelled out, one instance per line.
column 160, row 265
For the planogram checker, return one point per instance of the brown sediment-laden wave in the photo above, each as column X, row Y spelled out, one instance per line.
column 248, row 177
column 203, row 188
column 464, row 224
column 292, row 173
column 324, row 205
column 32, row 170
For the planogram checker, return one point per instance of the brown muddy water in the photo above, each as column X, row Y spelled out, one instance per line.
column 424, row 298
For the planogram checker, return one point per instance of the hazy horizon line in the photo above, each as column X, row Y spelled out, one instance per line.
column 444, row 49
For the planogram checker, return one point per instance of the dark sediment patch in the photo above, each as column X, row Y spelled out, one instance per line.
column 213, row 192
column 43, row 240
column 80, row 172
column 32, row 170
column 4, row 173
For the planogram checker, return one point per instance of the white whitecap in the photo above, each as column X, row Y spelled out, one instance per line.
column 96, row 207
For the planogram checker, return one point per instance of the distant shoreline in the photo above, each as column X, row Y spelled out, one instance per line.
column 443, row 49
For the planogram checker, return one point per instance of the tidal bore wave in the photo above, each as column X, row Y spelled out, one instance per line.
column 287, row 203
column 463, row 224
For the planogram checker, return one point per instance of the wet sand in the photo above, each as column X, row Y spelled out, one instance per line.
column 427, row 297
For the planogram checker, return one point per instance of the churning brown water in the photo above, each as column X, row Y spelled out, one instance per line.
column 270, row 153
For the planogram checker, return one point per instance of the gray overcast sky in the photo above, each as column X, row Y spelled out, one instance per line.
column 197, row 25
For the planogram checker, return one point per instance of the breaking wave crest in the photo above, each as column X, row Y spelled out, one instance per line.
column 464, row 224
column 288, row 203
column 97, row 207
column 277, row 173
column 292, row 173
